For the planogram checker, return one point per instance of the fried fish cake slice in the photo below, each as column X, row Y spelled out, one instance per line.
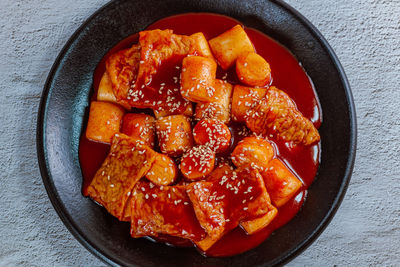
column 251, row 226
column 222, row 203
column 159, row 46
column 278, row 115
column 163, row 210
column 127, row 162
column 157, row 82
column 122, row 68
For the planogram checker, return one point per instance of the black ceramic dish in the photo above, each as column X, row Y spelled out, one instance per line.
column 63, row 110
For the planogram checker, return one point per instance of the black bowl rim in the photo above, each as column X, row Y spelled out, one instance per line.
column 93, row 248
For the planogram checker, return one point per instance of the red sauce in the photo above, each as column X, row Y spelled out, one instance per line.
column 287, row 75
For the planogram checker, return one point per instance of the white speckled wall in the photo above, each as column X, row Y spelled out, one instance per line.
column 366, row 37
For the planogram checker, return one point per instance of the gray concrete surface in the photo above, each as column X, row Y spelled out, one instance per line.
column 366, row 37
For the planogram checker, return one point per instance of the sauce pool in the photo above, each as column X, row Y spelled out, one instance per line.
column 287, row 74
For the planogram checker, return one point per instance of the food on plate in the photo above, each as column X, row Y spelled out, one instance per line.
column 253, row 70
column 228, row 46
column 163, row 171
column 212, row 133
column 159, row 47
column 221, row 204
column 163, row 210
column 139, row 126
column 220, row 109
column 257, row 224
column 280, row 181
column 127, row 162
column 197, row 162
column 277, row 114
column 104, row 121
column 198, row 78
column 122, row 70
column 174, row 134
column 201, row 45
column 252, row 150
column 198, row 140
column 244, row 99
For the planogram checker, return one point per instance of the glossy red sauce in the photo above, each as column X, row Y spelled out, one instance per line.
column 287, row 74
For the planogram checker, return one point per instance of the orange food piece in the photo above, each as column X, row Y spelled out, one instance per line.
column 228, row 46
column 244, row 99
column 105, row 92
column 139, row 126
column 200, row 45
column 104, row 121
column 197, row 79
column 174, row 134
column 252, row 69
column 163, row 171
column 163, row 210
column 197, row 162
column 280, row 182
column 122, row 68
column 220, row 109
column 257, row 224
column 221, row 204
column 277, row 115
column 254, row 151
column 212, row 133
column 126, row 163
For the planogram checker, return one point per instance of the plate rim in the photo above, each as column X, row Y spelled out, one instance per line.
column 99, row 253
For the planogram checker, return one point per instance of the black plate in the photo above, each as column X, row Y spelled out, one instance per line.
column 65, row 97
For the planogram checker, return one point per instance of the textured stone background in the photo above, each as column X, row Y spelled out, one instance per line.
column 366, row 37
